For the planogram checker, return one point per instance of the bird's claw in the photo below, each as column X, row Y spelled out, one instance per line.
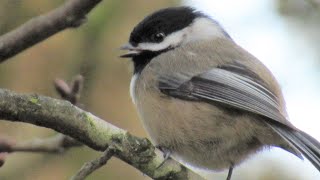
column 166, row 155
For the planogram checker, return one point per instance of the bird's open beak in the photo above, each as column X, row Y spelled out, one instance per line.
column 133, row 51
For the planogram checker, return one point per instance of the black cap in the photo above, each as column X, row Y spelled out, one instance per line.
column 162, row 23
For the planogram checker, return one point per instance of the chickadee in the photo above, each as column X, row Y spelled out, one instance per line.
column 203, row 98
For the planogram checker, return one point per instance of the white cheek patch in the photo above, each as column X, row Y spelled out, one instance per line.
column 204, row 29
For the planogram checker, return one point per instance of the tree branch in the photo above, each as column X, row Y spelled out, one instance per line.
column 71, row 14
column 90, row 130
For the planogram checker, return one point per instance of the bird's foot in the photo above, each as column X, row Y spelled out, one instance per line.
column 230, row 173
column 166, row 154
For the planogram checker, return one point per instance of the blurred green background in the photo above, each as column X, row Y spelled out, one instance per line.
column 91, row 50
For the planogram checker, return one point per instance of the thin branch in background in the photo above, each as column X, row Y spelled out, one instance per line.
column 4, row 142
column 55, row 144
column 3, row 156
column 70, row 15
column 70, row 92
column 95, row 164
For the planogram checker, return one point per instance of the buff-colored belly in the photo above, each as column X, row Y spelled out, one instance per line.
column 200, row 134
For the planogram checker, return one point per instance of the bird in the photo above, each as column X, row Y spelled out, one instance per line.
column 202, row 98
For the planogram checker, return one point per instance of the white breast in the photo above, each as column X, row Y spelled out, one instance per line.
column 132, row 87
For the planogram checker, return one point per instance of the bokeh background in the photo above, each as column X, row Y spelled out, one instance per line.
column 284, row 34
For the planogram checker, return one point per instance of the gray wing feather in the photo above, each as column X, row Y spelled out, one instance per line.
column 219, row 85
column 306, row 144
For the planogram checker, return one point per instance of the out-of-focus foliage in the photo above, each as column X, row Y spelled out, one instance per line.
column 303, row 16
column 299, row 8
column 91, row 50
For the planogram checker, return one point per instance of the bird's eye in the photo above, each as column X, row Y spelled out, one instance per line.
column 158, row 37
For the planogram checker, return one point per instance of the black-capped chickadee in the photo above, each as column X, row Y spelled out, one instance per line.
column 203, row 98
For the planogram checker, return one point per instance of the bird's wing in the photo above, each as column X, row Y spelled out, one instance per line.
column 230, row 85
column 236, row 86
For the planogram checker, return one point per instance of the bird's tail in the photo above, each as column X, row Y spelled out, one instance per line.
column 303, row 142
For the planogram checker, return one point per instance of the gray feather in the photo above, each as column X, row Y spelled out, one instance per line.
column 219, row 85
column 306, row 144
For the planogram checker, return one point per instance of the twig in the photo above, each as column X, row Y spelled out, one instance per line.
column 93, row 165
column 4, row 142
column 90, row 130
column 70, row 92
column 55, row 144
column 72, row 14
column 2, row 158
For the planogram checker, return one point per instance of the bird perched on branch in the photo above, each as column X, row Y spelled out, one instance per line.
column 204, row 99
